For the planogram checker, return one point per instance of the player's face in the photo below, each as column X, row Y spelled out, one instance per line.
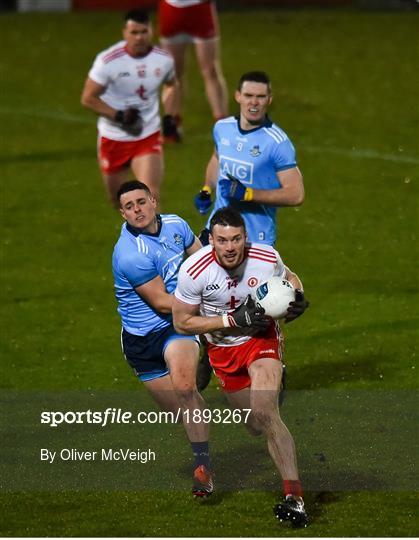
column 254, row 99
column 138, row 37
column 138, row 208
column 228, row 243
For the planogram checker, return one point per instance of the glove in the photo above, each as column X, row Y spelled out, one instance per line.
column 297, row 307
column 130, row 121
column 234, row 189
column 247, row 315
column 170, row 128
column 203, row 201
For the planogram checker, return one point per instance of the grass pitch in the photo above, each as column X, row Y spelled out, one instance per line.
column 345, row 86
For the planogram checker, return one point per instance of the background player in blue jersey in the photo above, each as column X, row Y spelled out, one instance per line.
column 253, row 169
column 260, row 157
column 145, row 264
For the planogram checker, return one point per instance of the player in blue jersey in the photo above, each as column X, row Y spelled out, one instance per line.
column 260, row 157
column 145, row 264
column 253, row 169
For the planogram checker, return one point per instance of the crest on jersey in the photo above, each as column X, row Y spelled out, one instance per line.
column 252, row 282
column 255, row 152
column 141, row 72
column 178, row 239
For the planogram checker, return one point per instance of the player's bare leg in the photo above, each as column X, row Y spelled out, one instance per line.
column 265, row 375
column 178, row 52
column 208, row 54
column 241, row 400
column 113, row 182
column 149, row 169
column 182, row 358
column 161, row 390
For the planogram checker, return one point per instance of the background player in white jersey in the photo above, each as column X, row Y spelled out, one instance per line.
column 123, row 88
column 260, row 157
column 213, row 298
column 253, row 168
column 182, row 22
column 145, row 265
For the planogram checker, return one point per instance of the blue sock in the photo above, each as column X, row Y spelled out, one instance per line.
column 201, row 453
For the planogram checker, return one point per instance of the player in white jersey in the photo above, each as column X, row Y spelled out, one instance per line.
column 253, row 168
column 182, row 22
column 123, row 88
column 245, row 347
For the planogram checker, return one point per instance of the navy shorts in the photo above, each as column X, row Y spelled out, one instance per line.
column 145, row 354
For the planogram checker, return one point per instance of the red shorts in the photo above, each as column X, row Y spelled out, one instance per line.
column 198, row 21
column 231, row 364
column 115, row 155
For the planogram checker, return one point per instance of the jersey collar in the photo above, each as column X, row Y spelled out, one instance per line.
column 136, row 231
column 266, row 123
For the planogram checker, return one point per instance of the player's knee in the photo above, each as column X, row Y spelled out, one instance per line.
column 263, row 417
column 186, row 394
column 209, row 72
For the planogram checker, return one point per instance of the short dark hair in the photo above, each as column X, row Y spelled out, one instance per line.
column 227, row 216
column 132, row 185
column 255, row 76
column 137, row 15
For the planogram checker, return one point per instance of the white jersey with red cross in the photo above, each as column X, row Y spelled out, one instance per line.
column 131, row 82
column 203, row 281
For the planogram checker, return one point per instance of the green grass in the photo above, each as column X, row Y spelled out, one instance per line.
column 345, row 85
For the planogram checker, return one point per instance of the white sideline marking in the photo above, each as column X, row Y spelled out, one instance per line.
column 366, row 153
column 362, row 153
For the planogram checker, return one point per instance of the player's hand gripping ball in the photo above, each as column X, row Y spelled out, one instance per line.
column 275, row 296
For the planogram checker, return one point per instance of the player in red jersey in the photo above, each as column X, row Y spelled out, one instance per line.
column 213, row 297
column 123, row 88
column 182, row 22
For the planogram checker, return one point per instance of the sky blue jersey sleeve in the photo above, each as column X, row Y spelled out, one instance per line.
column 138, row 269
column 284, row 156
column 188, row 235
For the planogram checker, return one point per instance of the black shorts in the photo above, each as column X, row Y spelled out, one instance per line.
column 145, row 354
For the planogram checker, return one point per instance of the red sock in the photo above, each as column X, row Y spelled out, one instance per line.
column 292, row 487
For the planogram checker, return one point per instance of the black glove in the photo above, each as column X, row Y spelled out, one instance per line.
column 170, row 128
column 249, row 315
column 130, row 121
column 297, row 307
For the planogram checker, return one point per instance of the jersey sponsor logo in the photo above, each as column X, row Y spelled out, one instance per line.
column 255, row 151
column 178, row 239
column 213, row 287
column 268, row 351
column 252, row 282
column 261, row 236
column 242, row 170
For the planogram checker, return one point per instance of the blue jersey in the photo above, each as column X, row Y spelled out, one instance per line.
column 140, row 257
column 253, row 157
